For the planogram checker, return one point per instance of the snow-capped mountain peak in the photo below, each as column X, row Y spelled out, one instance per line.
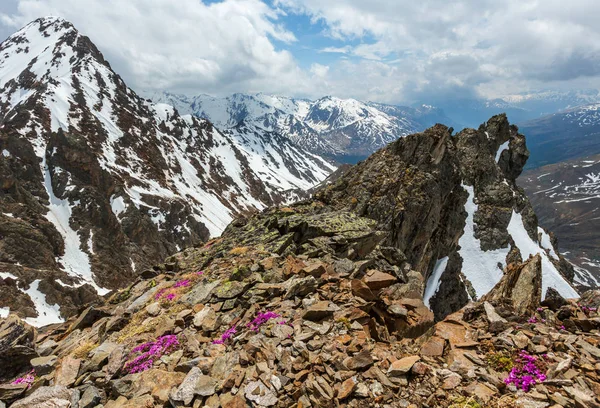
column 114, row 182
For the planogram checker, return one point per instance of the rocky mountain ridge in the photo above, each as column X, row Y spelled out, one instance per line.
column 98, row 184
column 371, row 293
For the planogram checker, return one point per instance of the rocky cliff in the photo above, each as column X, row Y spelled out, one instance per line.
column 450, row 208
column 325, row 302
column 97, row 184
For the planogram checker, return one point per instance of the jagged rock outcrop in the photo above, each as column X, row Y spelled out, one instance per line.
column 451, row 205
column 520, row 288
column 98, row 184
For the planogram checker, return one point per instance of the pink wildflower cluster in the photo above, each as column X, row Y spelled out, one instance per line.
column 254, row 325
column 227, row 335
column 200, row 273
column 159, row 294
column 534, row 320
column 150, row 352
column 526, row 372
column 587, row 310
column 182, row 283
column 27, row 379
column 261, row 319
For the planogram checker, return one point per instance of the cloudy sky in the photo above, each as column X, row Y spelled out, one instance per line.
column 398, row 51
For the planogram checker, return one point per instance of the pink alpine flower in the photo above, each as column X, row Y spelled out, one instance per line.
column 27, row 379
column 526, row 372
column 261, row 319
column 150, row 352
column 182, row 283
column 226, row 336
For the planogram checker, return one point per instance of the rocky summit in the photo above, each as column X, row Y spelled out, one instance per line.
column 419, row 278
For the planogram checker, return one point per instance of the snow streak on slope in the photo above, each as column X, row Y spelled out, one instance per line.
column 75, row 261
column 550, row 275
column 480, row 267
column 434, row 281
column 47, row 314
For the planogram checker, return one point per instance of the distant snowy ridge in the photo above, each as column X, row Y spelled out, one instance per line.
column 328, row 125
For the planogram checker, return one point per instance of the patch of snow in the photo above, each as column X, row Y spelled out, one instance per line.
column 546, row 243
column 90, row 243
column 480, row 267
column 550, row 275
column 5, row 275
column 47, row 314
column 434, row 281
column 9, row 215
column 5, row 153
column 4, row 312
column 75, row 261
column 503, row 147
column 117, row 204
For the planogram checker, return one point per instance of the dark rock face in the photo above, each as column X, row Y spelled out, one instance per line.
column 17, row 346
column 554, row 301
column 97, row 184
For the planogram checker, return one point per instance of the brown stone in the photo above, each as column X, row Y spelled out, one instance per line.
column 402, row 366
column 520, row 287
column 434, row 347
column 454, row 333
column 359, row 361
column 232, row 401
column 361, row 290
column 377, row 280
column 346, row 388
column 67, row 372
column 421, row 368
column 319, row 311
column 451, row 382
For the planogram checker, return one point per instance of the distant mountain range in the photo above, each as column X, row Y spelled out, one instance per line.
column 564, row 135
column 346, row 130
column 519, row 108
